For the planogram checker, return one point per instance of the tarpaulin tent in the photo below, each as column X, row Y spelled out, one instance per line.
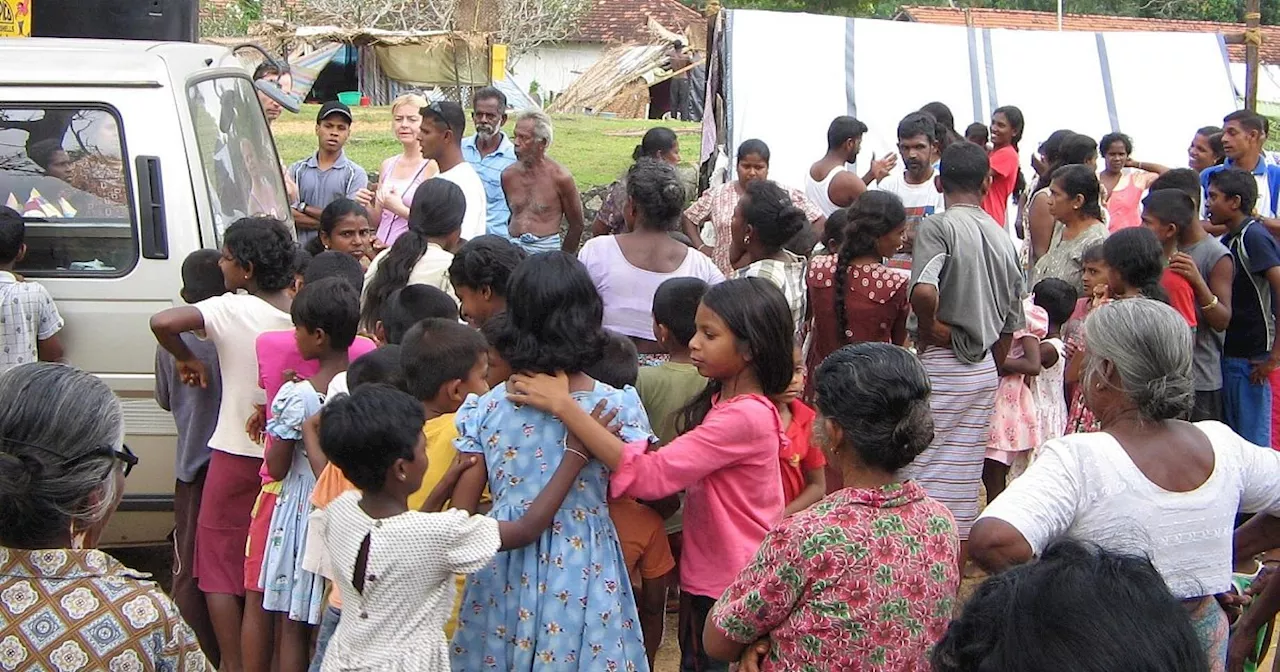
column 878, row 71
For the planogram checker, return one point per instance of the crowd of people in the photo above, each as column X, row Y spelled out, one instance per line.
column 426, row 431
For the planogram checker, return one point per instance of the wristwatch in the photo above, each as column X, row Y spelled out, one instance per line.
column 301, row 206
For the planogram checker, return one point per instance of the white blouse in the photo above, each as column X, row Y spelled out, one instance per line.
column 397, row 622
column 1085, row 486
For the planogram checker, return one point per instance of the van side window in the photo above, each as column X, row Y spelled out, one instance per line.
column 62, row 169
column 241, row 169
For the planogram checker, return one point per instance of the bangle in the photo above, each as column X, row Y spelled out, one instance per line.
column 579, row 453
column 1210, row 305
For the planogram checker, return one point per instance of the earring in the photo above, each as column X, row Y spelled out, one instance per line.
column 746, row 240
column 400, row 476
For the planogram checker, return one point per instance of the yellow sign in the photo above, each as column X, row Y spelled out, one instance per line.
column 498, row 62
column 15, row 18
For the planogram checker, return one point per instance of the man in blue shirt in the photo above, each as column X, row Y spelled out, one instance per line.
column 1243, row 136
column 327, row 175
column 1250, row 352
column 490, row 152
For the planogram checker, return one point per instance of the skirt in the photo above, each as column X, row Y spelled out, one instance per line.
column 230, row 487
column 950, row 469
column 259, row 530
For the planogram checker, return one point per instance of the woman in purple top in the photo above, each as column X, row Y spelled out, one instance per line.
column 400, row 175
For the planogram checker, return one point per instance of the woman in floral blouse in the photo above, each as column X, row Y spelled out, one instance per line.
column 865, row 579
column 65, row 605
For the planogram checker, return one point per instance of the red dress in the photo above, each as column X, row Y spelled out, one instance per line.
column 875, row 307
column 863, row 580
column 798, row 454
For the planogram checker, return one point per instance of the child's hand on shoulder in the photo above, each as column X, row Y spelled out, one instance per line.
column 607, row 417
column 541, row 391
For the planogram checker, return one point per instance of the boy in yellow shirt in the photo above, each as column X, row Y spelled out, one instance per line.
column 443, row 361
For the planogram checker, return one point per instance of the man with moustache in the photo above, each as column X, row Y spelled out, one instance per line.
column 918, row 145
column 540, row 191
column 490, row 152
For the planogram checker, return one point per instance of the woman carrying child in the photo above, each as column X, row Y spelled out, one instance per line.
column 566, row 602
column 726, row 461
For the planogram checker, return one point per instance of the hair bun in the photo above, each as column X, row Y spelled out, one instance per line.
column 17, row 474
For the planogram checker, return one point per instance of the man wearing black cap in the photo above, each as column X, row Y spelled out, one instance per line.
column 327, row 175
column 440, row 135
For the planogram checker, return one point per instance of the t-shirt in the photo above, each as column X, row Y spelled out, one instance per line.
column 664, row 390
column 920, row 200
column 27, row 316
column 1004, row 176
column 1086, row 487
column 643, row 538
column 195, row 409
column 1181, row 297
column 233, row 322
column 463, row 175
column 1252, row 328
column 1207, row 356
column 972, row 262
column 627, row 290
column 798, row 454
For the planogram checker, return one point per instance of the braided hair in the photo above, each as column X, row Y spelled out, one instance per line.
column 871, row 217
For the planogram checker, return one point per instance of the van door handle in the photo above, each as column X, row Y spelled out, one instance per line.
column 155, row 233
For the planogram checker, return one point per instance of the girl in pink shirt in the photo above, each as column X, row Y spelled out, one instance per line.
column 727, row 461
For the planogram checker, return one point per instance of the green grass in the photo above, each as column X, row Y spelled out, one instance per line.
column 596, row 150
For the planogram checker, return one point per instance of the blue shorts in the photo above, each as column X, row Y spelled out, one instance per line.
column 1246, row 407
column 328, row 625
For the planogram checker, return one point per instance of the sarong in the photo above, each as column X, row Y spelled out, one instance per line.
column 963, row 396
column 1210, row 623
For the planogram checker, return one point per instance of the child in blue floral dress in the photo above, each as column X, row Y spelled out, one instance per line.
column 326, row 316
column 563, row 602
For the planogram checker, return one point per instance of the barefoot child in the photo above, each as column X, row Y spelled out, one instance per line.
column 326, row 315
column 1015, row 427
column 727, row 461
column 257, row 257
column 567, row 598
column 394, row 565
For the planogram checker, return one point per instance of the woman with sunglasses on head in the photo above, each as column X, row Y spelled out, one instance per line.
column 62, row 468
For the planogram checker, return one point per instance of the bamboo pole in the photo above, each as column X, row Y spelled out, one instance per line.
column 1252, row 40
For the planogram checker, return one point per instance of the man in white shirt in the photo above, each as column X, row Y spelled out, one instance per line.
column 441, row 132
column 915, row 184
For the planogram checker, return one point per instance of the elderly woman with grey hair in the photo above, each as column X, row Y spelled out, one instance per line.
column 66, row 605
column 1148, row 483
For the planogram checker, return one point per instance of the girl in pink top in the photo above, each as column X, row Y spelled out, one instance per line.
column 727, row 462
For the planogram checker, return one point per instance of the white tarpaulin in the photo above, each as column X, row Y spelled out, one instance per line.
column 788, row 74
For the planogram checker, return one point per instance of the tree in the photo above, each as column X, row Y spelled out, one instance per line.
column 526, row 24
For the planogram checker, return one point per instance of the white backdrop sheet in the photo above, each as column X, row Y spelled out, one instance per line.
column 789, row 73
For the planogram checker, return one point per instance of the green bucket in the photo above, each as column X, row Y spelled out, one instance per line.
column 349, row 98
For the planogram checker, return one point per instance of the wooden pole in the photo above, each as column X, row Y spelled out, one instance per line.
column 1252, row 40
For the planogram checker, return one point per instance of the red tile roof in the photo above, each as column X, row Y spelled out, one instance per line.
column 1027, row 20
column 627, row 21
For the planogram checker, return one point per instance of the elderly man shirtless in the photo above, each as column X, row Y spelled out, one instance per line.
column 540, row 191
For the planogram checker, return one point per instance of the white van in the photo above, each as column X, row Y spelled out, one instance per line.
column 124, row 157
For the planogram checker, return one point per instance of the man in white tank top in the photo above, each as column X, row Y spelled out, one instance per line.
column 829, row 183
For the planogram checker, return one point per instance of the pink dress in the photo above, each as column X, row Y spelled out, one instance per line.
column 1015, row 424
column 1124, row 204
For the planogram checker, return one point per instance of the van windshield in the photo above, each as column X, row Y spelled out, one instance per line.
column 241, row 169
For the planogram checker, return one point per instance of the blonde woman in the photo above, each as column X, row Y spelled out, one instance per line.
column 400, row 175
